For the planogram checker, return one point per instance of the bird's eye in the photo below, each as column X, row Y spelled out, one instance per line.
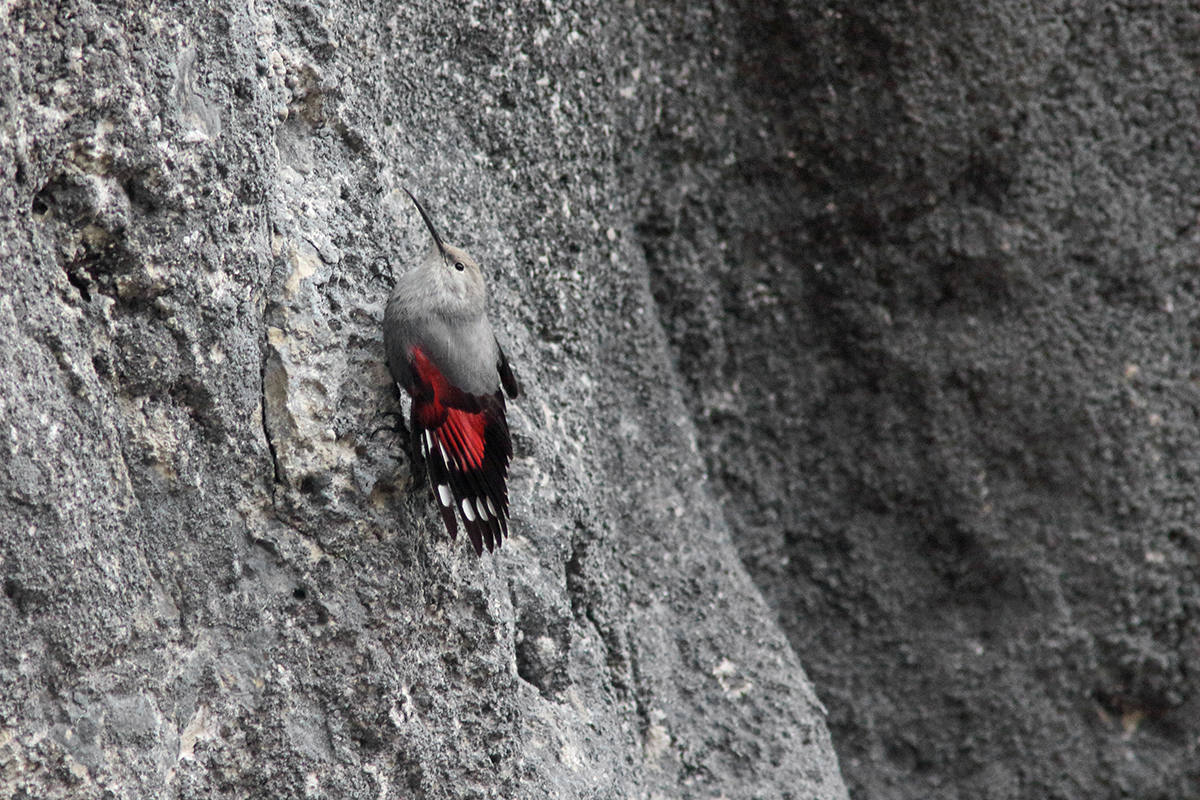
column 458, row 265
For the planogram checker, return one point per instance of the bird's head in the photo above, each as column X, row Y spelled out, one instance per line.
column 452, row 269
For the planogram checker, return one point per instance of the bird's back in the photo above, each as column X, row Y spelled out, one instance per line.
column 459, row 342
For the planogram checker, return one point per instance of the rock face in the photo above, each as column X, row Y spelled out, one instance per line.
column 927, row 275
column 219, row 578
column 930, row 275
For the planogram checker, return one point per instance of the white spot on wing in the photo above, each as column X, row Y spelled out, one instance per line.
column 491, row 508
column 467, row 510
column 444, row 496
column 481, row 508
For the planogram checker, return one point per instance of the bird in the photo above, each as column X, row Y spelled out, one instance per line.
column 442, row 351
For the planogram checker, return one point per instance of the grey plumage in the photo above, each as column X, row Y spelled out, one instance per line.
column 444, row 311
column 441, row 350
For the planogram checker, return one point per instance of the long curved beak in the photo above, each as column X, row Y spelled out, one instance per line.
column 428, row 222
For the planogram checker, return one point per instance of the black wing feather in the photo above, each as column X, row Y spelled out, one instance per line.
column 507, row 379
column 439, row 475
column 484, row 488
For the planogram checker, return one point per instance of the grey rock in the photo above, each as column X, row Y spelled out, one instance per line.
column 219, row 575
column 929, row 275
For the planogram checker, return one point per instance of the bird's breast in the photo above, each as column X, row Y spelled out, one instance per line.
column 463, row 350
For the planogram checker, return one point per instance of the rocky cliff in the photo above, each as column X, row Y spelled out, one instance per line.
column 220, row 578
column 929, row 271
column 886, row 313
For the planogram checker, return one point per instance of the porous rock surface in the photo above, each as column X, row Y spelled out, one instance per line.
column 927, row 274
column 930, row 272
column 219, row 576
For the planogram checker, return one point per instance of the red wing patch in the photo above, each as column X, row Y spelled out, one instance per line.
column 465, row 442
column 462, row 434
